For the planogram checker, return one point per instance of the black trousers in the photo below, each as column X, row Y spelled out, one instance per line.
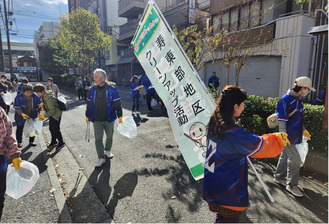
column 80, row 93
column 7, row 109
column 85, row 93
column 148, row 102
column 2, row 189
column 54, row 128
column 19, row 134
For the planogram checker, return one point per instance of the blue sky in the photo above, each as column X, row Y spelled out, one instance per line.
column 28, row 15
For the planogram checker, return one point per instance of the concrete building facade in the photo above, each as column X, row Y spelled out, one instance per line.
column 287, row 55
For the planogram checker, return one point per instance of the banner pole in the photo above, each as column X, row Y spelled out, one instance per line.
column 261, row 181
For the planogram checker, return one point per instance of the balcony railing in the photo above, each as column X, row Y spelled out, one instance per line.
column 128, row 30
column 131, row 8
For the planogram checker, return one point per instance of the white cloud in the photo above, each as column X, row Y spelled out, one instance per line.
column 55, row 2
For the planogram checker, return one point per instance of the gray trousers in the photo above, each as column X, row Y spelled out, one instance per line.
column 99, row 128
column 289, row 165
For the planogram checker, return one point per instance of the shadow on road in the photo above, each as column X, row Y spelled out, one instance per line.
column 124, row 187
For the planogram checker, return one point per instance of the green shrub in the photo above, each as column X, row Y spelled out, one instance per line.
column 257, row 109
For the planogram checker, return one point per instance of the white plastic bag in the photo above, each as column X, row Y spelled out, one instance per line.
column 154, row 102
column 7, row 98
column 32, row 127
column 128, row 127
column 302, row 149
column 22, row 181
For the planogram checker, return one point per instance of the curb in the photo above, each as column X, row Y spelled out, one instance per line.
column 64, row 214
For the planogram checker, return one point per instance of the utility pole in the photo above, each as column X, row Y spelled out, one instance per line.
column 8, row 41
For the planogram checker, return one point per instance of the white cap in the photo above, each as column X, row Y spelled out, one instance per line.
column 304, row 81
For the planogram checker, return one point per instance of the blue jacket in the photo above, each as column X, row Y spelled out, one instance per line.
column 228, row 183
column 3, row 89
column 20, row 89
column 112, row 95
column 226, row 166
column 20, row 102
column 148, row 86
column 79, row 83
column 134, row 93
column 214, row 81
column 294, row 124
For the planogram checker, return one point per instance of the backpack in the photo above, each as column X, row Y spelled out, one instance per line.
column 61, row 105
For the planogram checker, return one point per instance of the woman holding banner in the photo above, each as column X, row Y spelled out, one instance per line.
column 228, row 145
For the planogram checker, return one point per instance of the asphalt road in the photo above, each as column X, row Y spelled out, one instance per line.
column 146, row 181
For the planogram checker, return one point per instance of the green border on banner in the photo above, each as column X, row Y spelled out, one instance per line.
column 153, row 21
column 197, row 170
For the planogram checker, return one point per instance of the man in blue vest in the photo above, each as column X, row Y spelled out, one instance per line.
column 103, row 108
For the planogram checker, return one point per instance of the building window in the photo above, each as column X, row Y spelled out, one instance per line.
column 254, row 13
column 226, row 20
column 217, row 22
column 244, row 17
column 27, row 64
column 267, row 11
column 234, row 19
column 120, row 50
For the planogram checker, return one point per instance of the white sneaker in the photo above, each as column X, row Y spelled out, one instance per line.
column 100, row 163
column 108, row 154
column 295, row 191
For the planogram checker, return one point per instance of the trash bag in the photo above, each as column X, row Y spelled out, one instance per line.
column 302, row 149
column 32, row 127
column 154, row 102
column 7, row 98
column 128, row 127
column 21, row 181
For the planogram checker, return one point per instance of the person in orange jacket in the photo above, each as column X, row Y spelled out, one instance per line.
column 228, row 146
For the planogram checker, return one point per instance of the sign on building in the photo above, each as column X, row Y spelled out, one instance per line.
column 185, row 96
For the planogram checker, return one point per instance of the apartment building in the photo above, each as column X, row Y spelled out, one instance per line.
column 75, row 4
column 46, row 31
column 292, row 47
column 107, row 11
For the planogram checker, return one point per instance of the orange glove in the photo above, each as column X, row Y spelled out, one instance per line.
column 25, row 116
column 284, row 138
column 141, row 86
column 87, row 120
column 41, row 106
column 17, row 163
column 307, row 135
column 76, row 88
column 41, row 117
column 1, row 93
column 120, row 120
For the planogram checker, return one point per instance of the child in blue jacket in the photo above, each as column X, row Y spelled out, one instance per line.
column 226, row 168
column 134, row 93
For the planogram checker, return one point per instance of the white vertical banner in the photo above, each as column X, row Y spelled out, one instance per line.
column 186, row 98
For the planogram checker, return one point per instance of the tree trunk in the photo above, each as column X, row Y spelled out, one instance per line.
column 228, row 74
column 237, row 74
